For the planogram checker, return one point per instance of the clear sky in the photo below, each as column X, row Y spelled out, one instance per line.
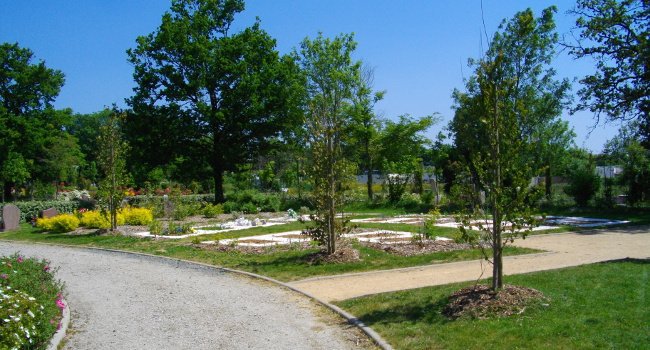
column 418, row 48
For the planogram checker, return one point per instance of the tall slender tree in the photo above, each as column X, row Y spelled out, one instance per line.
column 511, row 96
column 332, row 77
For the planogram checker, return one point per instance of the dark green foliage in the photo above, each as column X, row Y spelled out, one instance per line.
column 31, row 210
column 28, row 121
column 248, row 201
column 583, row 183
column 636, row 173
column 234, row 90
column 615, row 34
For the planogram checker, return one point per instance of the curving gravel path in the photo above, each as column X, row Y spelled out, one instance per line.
column 123, row 301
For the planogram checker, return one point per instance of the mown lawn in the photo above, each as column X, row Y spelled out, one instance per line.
column 599, row 306
column 286, row 265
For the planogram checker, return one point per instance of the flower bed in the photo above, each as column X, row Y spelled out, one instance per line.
column 30, row 303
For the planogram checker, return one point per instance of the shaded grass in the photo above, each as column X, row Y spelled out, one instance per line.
column 637, row 216
column 285, row 265
column 602, row 305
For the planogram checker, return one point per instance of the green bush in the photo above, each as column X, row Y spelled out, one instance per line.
column 182, row 210
column 29, row 303
column 249, row 208
column 212, row 210
column 31, row 210
column 583, row 185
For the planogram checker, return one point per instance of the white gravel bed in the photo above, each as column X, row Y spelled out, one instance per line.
column 123, row 301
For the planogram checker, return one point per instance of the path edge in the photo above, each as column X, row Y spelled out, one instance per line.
column 351, row 319
column 58, row 336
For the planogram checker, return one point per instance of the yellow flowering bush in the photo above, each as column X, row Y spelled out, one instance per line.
column 137, row 216
column 94, row 219
column 59, row 223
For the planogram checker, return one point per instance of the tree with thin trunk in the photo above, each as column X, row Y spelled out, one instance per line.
column 511, row 96
column 112, row 162
column 365, row 126
column 332, row 77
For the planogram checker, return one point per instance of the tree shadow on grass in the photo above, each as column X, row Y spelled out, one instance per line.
column 429, row 313
column 645, row 261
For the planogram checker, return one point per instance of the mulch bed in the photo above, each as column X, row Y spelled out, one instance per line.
column 481, row 302
column 342, row 254
column 411, row 248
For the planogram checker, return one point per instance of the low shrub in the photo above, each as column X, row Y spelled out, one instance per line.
column 30, row 303
column 94, row 219
column 137, row 216
column 58, row 224
column 212, row 210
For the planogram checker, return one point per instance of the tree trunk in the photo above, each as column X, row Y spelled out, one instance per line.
column 369, row 183
column 548, row 182
column 219, row 196
column 497, row 249
column 369, row 171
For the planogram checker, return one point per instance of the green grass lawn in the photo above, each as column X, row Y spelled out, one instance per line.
column 605, row 305
column 285, row 265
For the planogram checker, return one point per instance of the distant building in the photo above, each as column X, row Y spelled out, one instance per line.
column 609, row 171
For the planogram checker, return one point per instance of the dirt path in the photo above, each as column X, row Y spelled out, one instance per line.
column 126, row 301
column 562, row 250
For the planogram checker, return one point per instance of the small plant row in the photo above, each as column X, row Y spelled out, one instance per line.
column 30, row 303
column 94, row 219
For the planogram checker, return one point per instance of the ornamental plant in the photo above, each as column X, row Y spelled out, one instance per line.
column 30, row 303
column 58, row 224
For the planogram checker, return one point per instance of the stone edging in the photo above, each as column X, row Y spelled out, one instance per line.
column 61, row 332
column 351, row 319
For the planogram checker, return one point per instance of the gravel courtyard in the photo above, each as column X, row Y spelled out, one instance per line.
column 123, row 301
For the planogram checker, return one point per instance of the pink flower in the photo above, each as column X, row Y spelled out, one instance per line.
column 60, row 304
column 4, row 276
column 20, row 259
column 58, row 326
column 46, row 268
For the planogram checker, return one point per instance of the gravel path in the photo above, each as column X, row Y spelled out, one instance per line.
column 561, row 250
column 123, row 301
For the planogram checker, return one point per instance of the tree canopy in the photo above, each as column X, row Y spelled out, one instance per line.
column 236, row 88
column 616, row 34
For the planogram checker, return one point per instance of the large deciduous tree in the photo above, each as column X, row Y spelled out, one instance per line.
column 616, row 34
column 27, row 118
column 235, row 86
column 512, row 95
column 332, row 77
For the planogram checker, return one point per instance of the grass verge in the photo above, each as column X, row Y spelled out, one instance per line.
column 602, row 305
column 285, row 265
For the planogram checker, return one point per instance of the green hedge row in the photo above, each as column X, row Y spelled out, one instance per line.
column 143, row 201
column 30, row 210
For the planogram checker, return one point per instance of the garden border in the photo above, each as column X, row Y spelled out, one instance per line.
column 351, row 319
column 58, row 336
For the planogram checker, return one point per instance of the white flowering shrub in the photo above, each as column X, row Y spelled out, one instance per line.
column 19, row 315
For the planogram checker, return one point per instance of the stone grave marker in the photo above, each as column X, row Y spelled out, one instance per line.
column 48, row 213
column 10, row 217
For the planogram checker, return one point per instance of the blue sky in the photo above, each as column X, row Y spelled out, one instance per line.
column 418, row 48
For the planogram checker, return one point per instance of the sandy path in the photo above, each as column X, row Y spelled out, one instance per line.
column 125, row 301
column 562, row 250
